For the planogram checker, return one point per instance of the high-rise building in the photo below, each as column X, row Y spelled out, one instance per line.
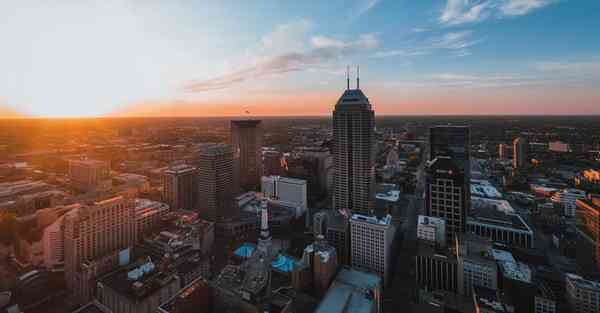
column 353, row 152
column 88, row 175
column 286, row 190
column 216, row 183
column 247, row 142
column 335, row 227
column 567, row 200
column 446, row 195
column 179, row 187
column 371, row 244
column 272, row 163
column 520, row 152
column 502, row 151
column 453, row 142
column 96, row 229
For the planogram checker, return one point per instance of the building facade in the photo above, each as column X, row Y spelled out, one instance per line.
column 520, row 153
column 567, row 199
column 179, row 187
column 371, row 244
column 286, row 190
column 87, row 175
column 446, row 195
column 583, row 295
column 354, row 153
column 96, row 229
column 247, row 143
column 216, row 184
column 431, row 230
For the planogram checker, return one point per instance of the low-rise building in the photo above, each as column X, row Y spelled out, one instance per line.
column 431, row 230
column 353, row 289
column 371, row 244
column 139, row 288
column 583, row 295
column 567, row 198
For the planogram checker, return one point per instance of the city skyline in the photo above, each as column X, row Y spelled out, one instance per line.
column 452, row 57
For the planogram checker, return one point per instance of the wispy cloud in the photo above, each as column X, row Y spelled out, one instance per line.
column 458, row 12
column 458, row 44
column 363, row 6
column 317, row 53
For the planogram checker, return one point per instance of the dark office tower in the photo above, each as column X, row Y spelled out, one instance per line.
column 454, row 142
column 216, row 183
column 179, row 187
column 353, row 152
column 520, row 152
column 446, row 195
column 272, row 163
column 247, row 142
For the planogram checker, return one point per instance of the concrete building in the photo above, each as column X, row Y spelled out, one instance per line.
column 286, row 190
column 354, row 153
column 216, row 184
column 476, row 266
column 149, row 215
column 503, row 151
column 446, row 195
column 98, row 228
column 353, row 291
column 272, row 160
column 371, row 244
column 583, row 295
column 247, row 143
column 545, row 300
column 431, row 230
column 520, row 153
column 179, row 187
column 492, row 220
column 588, row 228
column 138, row 288
column 436, row 269
column 88, row 175
column 335, row 227
column 567, row 199
column 321, row 258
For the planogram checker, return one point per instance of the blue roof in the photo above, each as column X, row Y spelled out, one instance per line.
column 245, row 250
column 284, row 263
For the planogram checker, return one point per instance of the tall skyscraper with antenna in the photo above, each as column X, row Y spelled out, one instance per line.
column 353, row 151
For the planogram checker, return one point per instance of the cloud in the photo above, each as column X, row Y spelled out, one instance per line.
column 457, row 43
column 363, row 6
column 320, row 51
column 578, row 67
column 458, row 12
column 453, row 80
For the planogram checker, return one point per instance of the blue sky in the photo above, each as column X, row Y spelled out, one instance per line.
column 120, row 57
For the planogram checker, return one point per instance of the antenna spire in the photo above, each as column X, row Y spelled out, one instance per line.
column 347, row 77
column 358, row 77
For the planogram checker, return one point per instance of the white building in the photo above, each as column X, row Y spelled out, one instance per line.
column 371, row 244
column 54, row 244
column 286, row 190
column 559, row 146
column 567, row 199
column 431, row 229
column 583, row 295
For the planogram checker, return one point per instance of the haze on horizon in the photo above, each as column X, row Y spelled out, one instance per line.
column 215, row 58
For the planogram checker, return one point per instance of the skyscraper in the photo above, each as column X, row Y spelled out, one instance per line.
column 179, row 190
column 520, row 152
column 446, row 195
column 247, row 142
column 371, row 244
column 353, row 152
column 454, row 142
column 99, row 228
column 216, row 183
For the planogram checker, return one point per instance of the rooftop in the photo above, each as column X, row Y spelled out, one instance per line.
column 353, row 98
column 138, row 280
column 488, row 299
column 492, row 215
column 351, row 292
column 388, row 192
column 93, row 307
column 583, row 283
column 510, row 267
column 372, row 219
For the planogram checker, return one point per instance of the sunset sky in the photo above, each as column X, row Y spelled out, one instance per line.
column 80, row 58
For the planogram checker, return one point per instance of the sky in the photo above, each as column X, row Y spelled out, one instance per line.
column 83, row 58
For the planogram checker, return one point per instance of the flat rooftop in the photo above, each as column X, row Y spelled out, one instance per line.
column 145, row 275
column 494, row 217
column 350, row 293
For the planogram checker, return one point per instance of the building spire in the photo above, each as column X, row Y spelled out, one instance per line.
column 347, row 77
column 358, row 77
